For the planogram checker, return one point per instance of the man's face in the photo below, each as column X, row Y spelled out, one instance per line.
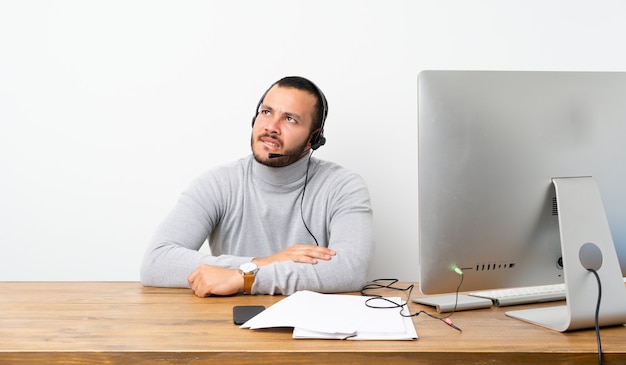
column 283, row 126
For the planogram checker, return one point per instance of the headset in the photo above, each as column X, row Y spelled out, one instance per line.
column 317, row 139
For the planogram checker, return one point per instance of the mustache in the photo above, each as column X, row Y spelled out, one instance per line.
column 272, row 136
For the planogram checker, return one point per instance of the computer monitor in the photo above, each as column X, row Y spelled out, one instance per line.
column 522, row 182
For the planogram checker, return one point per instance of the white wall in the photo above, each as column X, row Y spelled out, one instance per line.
column 109, row 108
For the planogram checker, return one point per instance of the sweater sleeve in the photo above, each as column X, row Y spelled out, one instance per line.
column 174, row 249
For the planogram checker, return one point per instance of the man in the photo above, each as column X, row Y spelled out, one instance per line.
column 277, row 221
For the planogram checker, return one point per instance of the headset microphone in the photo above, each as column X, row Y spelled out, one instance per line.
column 275, row 155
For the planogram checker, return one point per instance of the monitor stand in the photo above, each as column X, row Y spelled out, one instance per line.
column 586, row 242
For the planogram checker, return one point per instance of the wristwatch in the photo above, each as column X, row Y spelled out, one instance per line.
column 248, row 271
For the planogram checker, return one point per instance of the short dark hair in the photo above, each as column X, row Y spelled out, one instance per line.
column 301, row 83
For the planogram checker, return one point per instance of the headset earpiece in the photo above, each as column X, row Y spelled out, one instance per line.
column 317, row 141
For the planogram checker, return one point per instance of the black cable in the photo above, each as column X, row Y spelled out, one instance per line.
column 597, row 318
column 376, row 284
column 306, row 179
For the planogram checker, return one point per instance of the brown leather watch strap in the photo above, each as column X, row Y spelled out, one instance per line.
column 248, row 280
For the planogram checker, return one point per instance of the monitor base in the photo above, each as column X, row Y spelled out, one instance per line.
column 586, row 243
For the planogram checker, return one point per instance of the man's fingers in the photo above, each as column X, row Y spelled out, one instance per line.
column 310, row 254
column 319, row 252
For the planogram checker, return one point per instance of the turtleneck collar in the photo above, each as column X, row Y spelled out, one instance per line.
column 288, row 176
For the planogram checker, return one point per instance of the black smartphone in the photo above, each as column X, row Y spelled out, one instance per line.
column 242, row 313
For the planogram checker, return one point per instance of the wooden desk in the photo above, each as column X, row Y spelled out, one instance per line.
column 125, row 323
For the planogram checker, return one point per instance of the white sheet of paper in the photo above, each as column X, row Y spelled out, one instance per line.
column 315, row 315
column 409, row 333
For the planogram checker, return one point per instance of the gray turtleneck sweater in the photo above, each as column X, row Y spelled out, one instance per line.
column 248, row 210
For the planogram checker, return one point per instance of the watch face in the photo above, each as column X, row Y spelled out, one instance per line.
column 248, row 267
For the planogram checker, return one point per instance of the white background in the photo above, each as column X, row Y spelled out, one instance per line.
column 108, row 109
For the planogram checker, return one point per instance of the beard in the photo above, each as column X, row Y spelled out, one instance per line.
column 291, row 155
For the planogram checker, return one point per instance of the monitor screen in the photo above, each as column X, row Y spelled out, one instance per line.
column 490, row 144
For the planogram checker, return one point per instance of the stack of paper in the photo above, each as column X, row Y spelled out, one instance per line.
column 334, row 316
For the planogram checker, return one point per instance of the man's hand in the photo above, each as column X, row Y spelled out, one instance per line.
column 308, row 254
column 207, row 280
